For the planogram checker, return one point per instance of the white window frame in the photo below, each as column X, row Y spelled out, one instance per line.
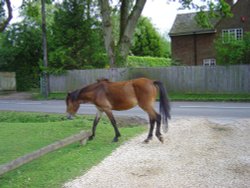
column 232, row 33
column 209, row 62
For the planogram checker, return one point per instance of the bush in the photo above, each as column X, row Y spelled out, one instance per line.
column 135, row 61
column 233, row 51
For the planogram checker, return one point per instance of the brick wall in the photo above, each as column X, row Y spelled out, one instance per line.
column 192, row 49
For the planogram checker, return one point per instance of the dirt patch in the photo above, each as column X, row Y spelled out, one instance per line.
column 196, row 153
column 15, row 95
column 123, row 121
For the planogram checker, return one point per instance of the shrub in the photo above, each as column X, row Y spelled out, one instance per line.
column 135, row 61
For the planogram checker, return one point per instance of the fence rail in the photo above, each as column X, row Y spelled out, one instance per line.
column 196, row 79
column 82, row 137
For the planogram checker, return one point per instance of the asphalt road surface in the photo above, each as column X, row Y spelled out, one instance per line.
column 178, row 109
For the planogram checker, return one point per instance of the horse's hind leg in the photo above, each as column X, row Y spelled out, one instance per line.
column 158, row 128
column 151, row 129
column 154, row 117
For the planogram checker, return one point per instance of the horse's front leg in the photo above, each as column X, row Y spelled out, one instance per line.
column 113, row 122
column 96, row 121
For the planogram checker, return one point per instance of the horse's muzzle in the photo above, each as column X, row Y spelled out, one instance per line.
column 69, row 116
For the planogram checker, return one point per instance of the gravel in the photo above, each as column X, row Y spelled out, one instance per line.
column 197, row 152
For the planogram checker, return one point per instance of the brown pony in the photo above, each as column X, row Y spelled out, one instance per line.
column 108, row 96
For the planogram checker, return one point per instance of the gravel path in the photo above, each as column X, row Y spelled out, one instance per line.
column 196, row 153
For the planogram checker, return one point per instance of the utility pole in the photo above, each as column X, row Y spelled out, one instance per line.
column 44, row 79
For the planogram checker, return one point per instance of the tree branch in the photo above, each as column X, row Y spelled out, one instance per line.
column 124, row 16
column 132, row 20
column 4, row 24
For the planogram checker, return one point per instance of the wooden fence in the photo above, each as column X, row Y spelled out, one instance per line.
column 195, row 79
column 7, row 81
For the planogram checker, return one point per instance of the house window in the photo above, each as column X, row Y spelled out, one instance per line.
column 209, row 62
column 232, row 34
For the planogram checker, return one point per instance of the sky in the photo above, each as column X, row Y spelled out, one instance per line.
column 161, row 13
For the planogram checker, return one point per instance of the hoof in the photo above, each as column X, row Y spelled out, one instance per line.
column 161, row 140
column 146, row 141
column 115, row 139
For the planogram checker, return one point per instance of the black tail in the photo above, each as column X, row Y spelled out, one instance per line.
column 164, row 105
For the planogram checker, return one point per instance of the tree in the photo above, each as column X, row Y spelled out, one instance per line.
column 21, row 47
column 5, row 21
column 73, row 35
column 129, row 15
column 147, row 41
column 20, row 51
column 130, row 12
column 77, row 39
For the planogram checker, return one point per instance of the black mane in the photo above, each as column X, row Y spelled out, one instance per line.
column 102, row 79
column 73, row 95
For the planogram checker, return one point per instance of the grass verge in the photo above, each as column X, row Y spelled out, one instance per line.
column 241, row 97
column 244, row 97
column 22, row 133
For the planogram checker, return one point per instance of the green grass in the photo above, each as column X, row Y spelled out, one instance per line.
column 245, row 97
column 22, row 133
column 242, row 97
column 52, row 96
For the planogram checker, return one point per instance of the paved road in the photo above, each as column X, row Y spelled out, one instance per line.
column 179, row 109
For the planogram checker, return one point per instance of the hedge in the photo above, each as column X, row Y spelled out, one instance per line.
column 136, row 61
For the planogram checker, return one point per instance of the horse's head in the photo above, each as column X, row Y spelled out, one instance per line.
column 72, row 105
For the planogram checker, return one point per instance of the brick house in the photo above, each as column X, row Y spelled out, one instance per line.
column 193, row 45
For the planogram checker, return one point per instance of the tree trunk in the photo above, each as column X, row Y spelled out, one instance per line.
column 44, row 84
column 108, row 31
column 128, row 23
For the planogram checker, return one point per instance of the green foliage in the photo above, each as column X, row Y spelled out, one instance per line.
column 35, row 130
column 20, row 52
column 135, row 61
column 73, row 35
column 207, row 10
column 233, row 51
column 77, row 39
column 31, row 11
column 21, row 46
column 148, row 42
column 246, row 49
